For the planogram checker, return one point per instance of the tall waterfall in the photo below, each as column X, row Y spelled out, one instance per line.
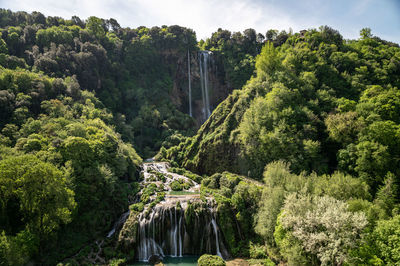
column 169, row 231
column 204, row 61
column 190, row 86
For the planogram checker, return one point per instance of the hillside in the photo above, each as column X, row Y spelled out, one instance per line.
column 314, row 102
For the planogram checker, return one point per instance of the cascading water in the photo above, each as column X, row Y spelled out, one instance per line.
column 166, row 231
column 190, row 86
column 118, row 224
column 204, row 62
column 215, row 227
column 175, row 225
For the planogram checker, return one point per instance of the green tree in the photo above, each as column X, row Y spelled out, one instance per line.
column 267, row 62
column 387, row 240
column 365, row 33
column 95, row 27
column 42, row 192
column 324, row 226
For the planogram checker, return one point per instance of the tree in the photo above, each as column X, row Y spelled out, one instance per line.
column 343, row 127
column 279, row 181
column 365, row 33
column 387, row 240
column 42, row 192
column 324, row 226
column 267, row 62
column 387, row 196
column 271, row 35
column 45, row 198
column 94, row 25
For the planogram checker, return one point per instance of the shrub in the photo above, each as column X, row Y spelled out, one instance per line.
column 176, row 186
column 323, row 226
column 138, row 207
column 207, row 260
column 387, row 240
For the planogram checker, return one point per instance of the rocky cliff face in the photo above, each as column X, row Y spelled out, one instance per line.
column 218, row 88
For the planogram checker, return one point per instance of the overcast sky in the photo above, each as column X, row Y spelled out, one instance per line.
column 205, row 17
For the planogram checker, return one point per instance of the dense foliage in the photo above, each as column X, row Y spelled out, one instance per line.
column 237, row 199
column 316, row 102
column 139, row 74
column 318, row 123
column 62, row 167
column 206, row 259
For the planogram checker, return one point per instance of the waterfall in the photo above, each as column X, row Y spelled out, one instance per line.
column 118, row 224
column 190, row 86
column 215, row 227
column 204, row 61
column 177, row 225
column 165, row 232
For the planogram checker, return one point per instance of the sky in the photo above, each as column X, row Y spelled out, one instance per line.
column 206, row 16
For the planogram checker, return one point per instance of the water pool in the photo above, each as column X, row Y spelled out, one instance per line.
column 171, row 261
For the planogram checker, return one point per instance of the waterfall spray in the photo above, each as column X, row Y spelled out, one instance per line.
column 164, row 232
column 204, row 59
column 190, row 86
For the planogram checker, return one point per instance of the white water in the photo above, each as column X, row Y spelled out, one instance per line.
column 215, row 227
column 190, row 86
column 162, row 230
column 118, row 223
column 147, row 245
column 204, row 60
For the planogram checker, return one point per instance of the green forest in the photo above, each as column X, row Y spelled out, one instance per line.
column 301, row 154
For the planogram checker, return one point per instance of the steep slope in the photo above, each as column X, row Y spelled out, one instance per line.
column 214, row 149
column 63, row 167
column 296, row 108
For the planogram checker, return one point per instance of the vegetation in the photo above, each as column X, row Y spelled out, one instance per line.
column 237, row 201
column 206, row 260
column 61, row 170
column 318, row 124
column 296, row 109
column 132, row 71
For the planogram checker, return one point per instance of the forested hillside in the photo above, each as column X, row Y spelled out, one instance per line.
column 319, row 124
column 132, row 71
column 77, row 98
column 314, row 102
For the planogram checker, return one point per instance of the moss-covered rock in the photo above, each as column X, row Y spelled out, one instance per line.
column 207, row 260
column 128, row 234
column 229, row 227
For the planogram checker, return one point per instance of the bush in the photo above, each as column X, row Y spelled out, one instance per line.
column 387, row 240
column 322, row 226
column 176, row 186
column 138, row 207
column 206, row 260
column 257, row 251
column 117, row 262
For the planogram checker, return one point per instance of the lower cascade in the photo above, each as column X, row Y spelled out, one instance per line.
column 180, row 224
column 172, row 231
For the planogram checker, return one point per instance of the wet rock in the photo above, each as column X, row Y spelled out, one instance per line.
column 128, row 234
column 155, row 259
